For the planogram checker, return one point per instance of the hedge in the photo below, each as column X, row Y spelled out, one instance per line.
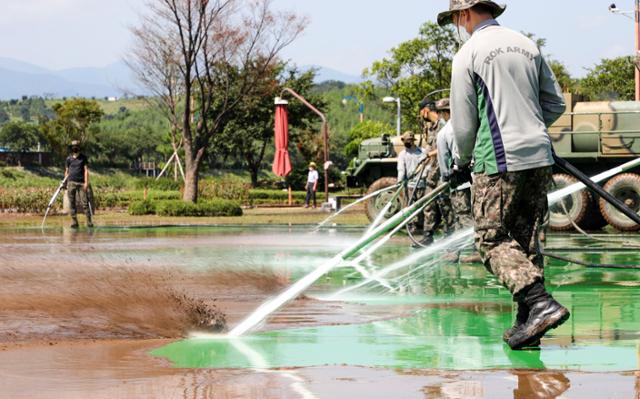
column 217, row 207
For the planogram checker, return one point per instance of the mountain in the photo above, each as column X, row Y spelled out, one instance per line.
column 18, row 78
column 323, row 74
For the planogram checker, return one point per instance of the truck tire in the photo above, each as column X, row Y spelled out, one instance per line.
column 374, row 205
column 577, row 205
column 626, row 188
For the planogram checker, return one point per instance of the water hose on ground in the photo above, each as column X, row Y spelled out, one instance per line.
column 587, row 264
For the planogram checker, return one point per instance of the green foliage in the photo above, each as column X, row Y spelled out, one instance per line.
column 20, row 136
column 26, row 199
column 75, row 119
column 567, row 83
column 363, row 131
column 228, row 187
column 162, row 184
column 415, row 68
column 215, row 207
column 141, row 208
column 129, row 137
column 110, row 199
column 279, row 197
column 612, row 79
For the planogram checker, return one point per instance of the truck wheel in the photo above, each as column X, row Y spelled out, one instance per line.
column 376, row 204
column 626, row 188
column 593, row 220
column 577, row 205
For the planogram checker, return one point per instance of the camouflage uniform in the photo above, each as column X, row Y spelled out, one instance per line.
column 439, row 212
column 508, row 210
column 461, row 208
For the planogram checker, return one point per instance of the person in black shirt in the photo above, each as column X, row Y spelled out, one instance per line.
column 77, row 174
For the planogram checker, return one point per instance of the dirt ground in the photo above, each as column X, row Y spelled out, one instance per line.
column 76, row 324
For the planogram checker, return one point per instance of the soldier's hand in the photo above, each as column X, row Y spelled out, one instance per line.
column 459, row 176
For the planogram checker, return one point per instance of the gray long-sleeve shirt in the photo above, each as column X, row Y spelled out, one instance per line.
column 503, row 97
column 447, row 151
column 408, row 161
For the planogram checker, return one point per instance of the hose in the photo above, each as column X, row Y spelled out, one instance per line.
column 589, row 265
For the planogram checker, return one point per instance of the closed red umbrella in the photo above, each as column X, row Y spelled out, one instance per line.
column 282, row 163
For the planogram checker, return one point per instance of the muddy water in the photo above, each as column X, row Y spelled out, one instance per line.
column 103, row 314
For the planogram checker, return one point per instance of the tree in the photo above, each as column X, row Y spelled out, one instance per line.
column 567, row 83
column 75, row 119
column 612, row 79
column 20, row 136
column 415, row 68
column 249, row 128
column 205, row 57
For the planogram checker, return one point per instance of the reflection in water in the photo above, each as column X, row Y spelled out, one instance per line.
column 543, row 385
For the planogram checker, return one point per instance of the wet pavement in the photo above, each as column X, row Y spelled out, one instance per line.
column 438, row 335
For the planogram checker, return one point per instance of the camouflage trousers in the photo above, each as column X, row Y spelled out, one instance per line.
column 439, row 212
column 76, row 193
column 461, row 207
column 508, row 210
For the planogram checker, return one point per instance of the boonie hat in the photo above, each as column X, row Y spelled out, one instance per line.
column 313, row 165
column 446, row 17
column 443, row 105
column 407, row 136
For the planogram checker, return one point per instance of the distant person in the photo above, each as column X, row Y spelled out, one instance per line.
column 408, row 161
column 312, row 185
column 77, row 174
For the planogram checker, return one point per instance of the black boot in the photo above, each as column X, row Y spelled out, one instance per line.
column 425, row 242
column 521, row 319
column 74, row 224
column 545, row 313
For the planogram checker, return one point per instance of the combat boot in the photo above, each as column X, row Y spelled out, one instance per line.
column 425, row 242
column 521, row 319
column 545, row 313
column 74, row 224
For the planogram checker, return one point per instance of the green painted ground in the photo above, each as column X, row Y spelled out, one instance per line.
column 459, row 315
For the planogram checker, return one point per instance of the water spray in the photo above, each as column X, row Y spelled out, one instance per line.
column 53, row 200
column 301, row 285
column 366, row 197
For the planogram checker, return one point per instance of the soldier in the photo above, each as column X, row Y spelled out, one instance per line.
column 77, row 174
column 460, row 197
column 503, row 97
column 410, row 158
column 439, row 212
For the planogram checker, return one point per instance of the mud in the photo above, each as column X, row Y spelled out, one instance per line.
column 83, row 314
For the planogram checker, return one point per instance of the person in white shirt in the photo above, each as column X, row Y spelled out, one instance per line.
column 312, row 185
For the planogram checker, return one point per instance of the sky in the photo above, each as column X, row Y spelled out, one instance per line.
column 347, row 35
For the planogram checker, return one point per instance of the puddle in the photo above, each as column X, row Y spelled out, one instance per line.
column 444, row 316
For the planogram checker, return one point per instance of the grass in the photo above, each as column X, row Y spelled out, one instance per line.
column 257, row 216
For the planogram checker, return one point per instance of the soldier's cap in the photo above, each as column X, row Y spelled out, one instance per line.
column 426, row 103
column 443, row 105
column 75, row 143
column 446, row 17
column 408, row 136
column 313, row 165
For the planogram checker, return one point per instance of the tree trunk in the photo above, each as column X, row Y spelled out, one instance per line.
column 254, row 176
column 191, row 184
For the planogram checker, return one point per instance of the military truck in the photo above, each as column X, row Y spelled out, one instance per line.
column 594, row 136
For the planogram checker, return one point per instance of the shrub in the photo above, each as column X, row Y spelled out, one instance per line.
column 162, row 184
column 27, row 200
column 140, row 208
column 228, row 187
column 217, row 207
